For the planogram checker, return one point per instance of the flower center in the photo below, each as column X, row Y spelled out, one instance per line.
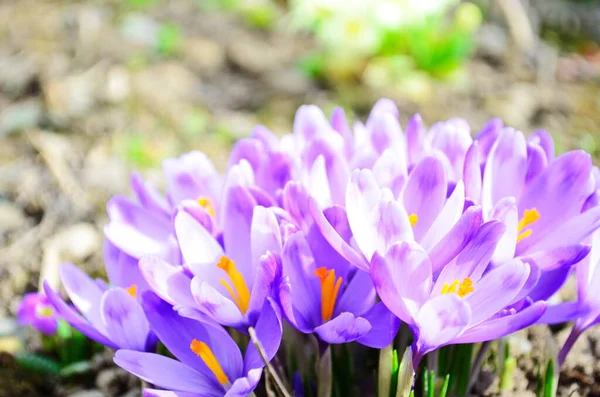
column 413, row 219
column 202, row 350
column 329, row 291
column 239, row 292
column 44, row 311
column 529, row 217
column 458, row 288
column 207, row 204
column 132, row 290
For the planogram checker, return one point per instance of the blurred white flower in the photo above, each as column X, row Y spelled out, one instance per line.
column 396, row 14
column 351, row 27
column 307, row 14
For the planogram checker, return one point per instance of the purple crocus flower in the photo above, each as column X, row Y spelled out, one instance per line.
column 517, row 181
column 227, row 285
column 35, row 310
column 321, row 154
column 209, row 362
column 110, row 316
column 422, row 213
column 586, row 310
column 322, row 292
column 143, row 226
column 460, row 305
column 535, row 194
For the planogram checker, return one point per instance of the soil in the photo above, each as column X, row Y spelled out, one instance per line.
column 90, row 91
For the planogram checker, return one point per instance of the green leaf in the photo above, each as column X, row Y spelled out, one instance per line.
column 76, row 368
column 395, row 371
column 539, row 382
column 464, row 358
column 431, row 384
column 406, row 375
column 37, row 363
column 550, row 381
column 506, row 380
column 444, row 389
column 64, row 330
column 342, row 370
column 426, row 382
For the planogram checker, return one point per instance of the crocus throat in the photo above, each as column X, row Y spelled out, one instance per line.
column 239, row 292
column 458, row 288
column 413, row 219
column 202, row 350
column 207, row 204
column 132, row 290
column 330, row 287
column 529, row 217
column 45, row 311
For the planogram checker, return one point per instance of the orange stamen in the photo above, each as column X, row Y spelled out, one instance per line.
column 330, row 288
column 529, row 217
column 132, row 290
column 207, row 204
column 202, row 350
column 239, row 292
column 460, row 289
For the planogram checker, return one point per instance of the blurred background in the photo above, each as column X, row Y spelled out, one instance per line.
column 90, row 90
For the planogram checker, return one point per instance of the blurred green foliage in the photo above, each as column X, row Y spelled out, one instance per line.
column 169, row 40
column 66, row 354
column 387, row 43
column 261, row 14
column 140, row 3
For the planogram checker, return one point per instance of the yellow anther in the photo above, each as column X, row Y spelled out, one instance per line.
column 202, row 350
column 207, row 204
column 413, row 219
column 45, row 311
column 460, row 289
column 330, row 287
column 132, row 290
column 529, row 217
column 239, row 291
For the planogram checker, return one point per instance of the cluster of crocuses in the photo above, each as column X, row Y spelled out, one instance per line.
column 343, row 232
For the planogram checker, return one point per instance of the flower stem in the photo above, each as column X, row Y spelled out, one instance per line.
column 385, row 371
column 478, row 363
column 432, row 361
column 562, row 355
column 269, row 368
column 324, row 372
column 406, row 374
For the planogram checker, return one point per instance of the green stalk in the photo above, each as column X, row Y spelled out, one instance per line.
column 406, row 375
column 324, row 377
column 444, row 389
column 385, row 371
column 431, row 384
column 550, row 380
column 508, row 366
column 464, row 359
